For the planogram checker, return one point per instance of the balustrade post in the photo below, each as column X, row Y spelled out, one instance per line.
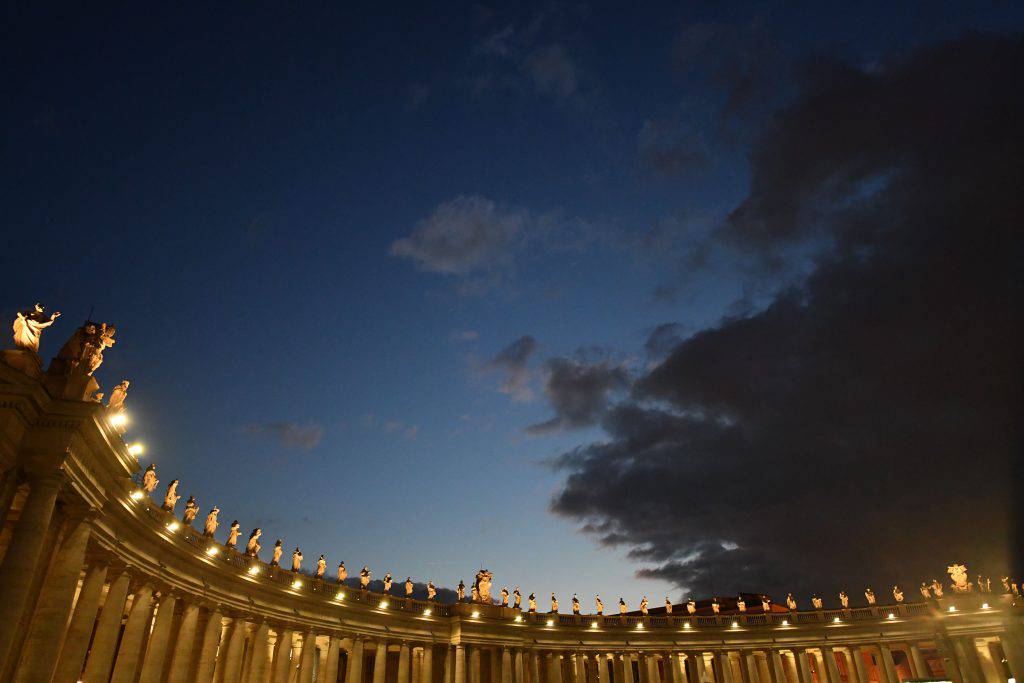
column 156, row 652
column 129, row 652
column 18, row 569
column 184, row 645
column 47, row 631
column 72, row 655
column 208, row 647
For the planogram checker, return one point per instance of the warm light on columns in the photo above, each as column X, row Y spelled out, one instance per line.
column 211, row 551
column 136, row 449
column 137, row 495
column 119, row 420
column 296, row 584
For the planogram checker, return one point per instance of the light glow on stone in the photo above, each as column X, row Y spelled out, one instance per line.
column 211, row 551
column 891, row 616
column 173, row 526
column 427, row 612
column 551, row 622
column 137, row 495
column 383, row 604
column 952, row 608
column 475, row 614
column 519, row 619
column 339, row 596
column 984, row 605
column 686, row 625
column 119, row 419
column 593, row 624
column 296, row 584
column 254, row 570
column 136, row 449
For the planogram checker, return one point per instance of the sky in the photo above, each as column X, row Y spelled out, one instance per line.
column 679, row 299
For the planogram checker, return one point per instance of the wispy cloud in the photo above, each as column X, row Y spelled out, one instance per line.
column 288, row 434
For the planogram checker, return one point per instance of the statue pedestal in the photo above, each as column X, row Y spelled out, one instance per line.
column 74, row 386
column 24, row 360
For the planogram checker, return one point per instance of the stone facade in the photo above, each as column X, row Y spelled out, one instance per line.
column 98, row 583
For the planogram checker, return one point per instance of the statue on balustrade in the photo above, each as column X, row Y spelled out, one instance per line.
column 554, row 604
column 575, row 604
column 599, row 605
column 816, row 601
column 504, row 596
column 790, row 602
column 172, row 497
column 278, row 552
column 431, row 590
column 191, row 510
column 622, row 606
column 296, row 560
column 926, row 591
column 117, row 397
column 958, row 573
column 364, row 577
column 643, row 605
column 460, row 591
column 342, row 572
column 532, row 601
column 211, row 523
column 409, row 587
column 869, row 595
column 766, row 604
column 234, row 531
column 1006, row 584
column 321, row 567
column 668, row 605
column 936, row 588
column 252, row 548
column 517, row 598
column 741, row 604
column 387, row 582
column 483, row 586
column 149, row 480
column 988, row 585
column 691, row 606
column 897, row 594
column 83, row 353
column 716, row 607
column 474, row 594
column 29, row 325
column 844, row 599
column 1013, row 586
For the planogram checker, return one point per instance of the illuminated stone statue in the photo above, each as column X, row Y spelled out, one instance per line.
column 844, row 599
column 897, row 593
column 532, row 601
column 149, row 480
column 172, row 497
column 816, row 601
column 211, row 522
column 296, row 560
column 342, row 572
column 504, row 596
column 460, row 591
column 958, row 573
column 599, row 604
column 517, row 598
column 29, row 326
column 936, row 588
column 790, row 601
column 252, row 548
column 278, row 552
column 321, row 567
column 715, row 606
column 83, row 353
column 364, row 577
column 741, row 604
column 575, row 604
column 409, row 587
column 926, row 592
column 554, row 604
column 431, row 590
column 234, row 531
column 691, row 606
column 668, row 605
column 869, row 595
column 622, row 606
column 387, row 582
column 483, row 586
column 643, row 605
column 766, row 604
column 117, row 397
column 191, row 510
column 1006, row 584
column 474, row 593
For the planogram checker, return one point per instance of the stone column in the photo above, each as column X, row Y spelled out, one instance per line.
column 156, row 651
column 282, row 656
column 520, row 673
column 427, row 664
column 642, row 668
column 460, row 664
column 208, row 648
column 778, row 669
column 888, row 668
column 46, row 635
column 101, row 655
column 380, row 661
column 506, row 665
column 921, row 669
column 76, row 642
column 129, row 652
column 307, row 657
column 184, row 644
column 534, row 666
column 8, row 488
column 669, row 670
column 404, row 665
column 260, row 645
column 229, row 658
column 1013, row 648
column 19, row 564
column 803, row 666
column 724, row 662
column 474, row 664
column 556, row 668
column 748, row 667
column 355, row 662
column 969, row 666
column 831, row 668
column 600, row 673
column 448, row 670
column 860, row 672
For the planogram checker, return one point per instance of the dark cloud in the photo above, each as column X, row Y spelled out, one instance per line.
column 288, row 434
column 669, row 148
column 663, row 339
column 514, row 362
column 579, row 392
column 864, row 427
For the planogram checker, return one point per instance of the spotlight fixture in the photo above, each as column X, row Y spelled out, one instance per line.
column 119, row 419
column 173, row 526
column 383, row 604
column 952, row 608
column 550, row 622
column 519, row 618
column 475, row 614
column 593, row 624
column 136, row 449
column 427, row 612
column 891, row 616
column 340, row 595
column 212, row 550
column 137, row 495
column 296, row 584
column 254, row 570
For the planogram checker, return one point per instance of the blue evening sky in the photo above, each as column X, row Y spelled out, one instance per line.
column 227, row 185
